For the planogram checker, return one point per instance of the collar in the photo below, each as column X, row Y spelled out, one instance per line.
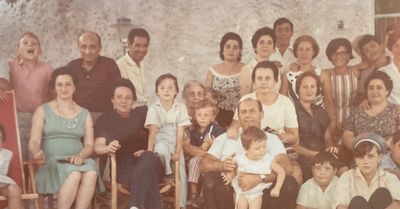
column 129, row 60
column 158, row 103
column 329, row 187
column 357, row 173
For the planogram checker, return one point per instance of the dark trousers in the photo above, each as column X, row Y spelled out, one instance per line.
column 380, row 199
column 143, row 174
column 220, row 196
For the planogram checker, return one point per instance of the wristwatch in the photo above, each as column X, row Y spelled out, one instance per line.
column 263, row 177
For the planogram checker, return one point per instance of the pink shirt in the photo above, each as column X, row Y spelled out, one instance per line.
column 31, row 86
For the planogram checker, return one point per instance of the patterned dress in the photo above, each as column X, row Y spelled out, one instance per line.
column 344, row 88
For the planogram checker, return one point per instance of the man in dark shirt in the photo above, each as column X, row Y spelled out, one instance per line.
column 95, row 74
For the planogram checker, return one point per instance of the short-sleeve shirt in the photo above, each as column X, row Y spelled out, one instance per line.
column 129, row 131
column 93, row 90
column 312, row 196
column 279, row 115
column 394, row 73
column 176, row 116
column 197, row 138
column 352, row 183
column 31, row 86
column 384, row 124
column 224, row 147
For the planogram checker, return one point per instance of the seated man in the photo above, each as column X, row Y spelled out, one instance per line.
column 220, row 159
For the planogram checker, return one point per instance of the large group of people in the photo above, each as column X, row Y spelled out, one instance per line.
column 276, row 132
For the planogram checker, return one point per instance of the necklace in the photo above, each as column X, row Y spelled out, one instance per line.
column 68, row 124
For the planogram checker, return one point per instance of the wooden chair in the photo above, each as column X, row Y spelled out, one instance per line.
column 110, row 198
column 8, row 118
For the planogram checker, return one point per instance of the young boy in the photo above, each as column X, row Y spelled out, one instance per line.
column 29, row 78
column 318, row 191
column 201, row 135
column 256, row 160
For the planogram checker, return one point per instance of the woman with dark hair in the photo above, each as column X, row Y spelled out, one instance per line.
column 381, row 118
column 62, row 135
column 224, row 77
column 339, row 84
column 122, row 132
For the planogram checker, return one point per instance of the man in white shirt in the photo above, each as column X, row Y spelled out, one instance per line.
column 220, row 158
column 130, row 64
column 283, row 29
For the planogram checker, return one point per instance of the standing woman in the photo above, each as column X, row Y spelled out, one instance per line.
column 339, row 83
column 58, row 130
column 305, row 49
column 224, row 77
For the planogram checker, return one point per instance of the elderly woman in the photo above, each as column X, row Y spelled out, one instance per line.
column 339, row 83
column 224, row 77
column 193, row 92
column 58, row 128
column 122, row 132
column 381, row 118
column 305, row 49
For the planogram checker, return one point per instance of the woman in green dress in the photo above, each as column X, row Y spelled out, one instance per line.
column 62, row 136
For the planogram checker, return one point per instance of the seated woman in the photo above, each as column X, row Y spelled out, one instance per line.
column 367, row 186
column 58, row 128
column 381, row 118
column 122, row 132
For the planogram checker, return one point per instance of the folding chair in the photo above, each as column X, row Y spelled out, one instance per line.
column 16, row 171
column 111, row 199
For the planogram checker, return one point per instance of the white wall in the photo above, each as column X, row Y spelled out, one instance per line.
column 185, row 34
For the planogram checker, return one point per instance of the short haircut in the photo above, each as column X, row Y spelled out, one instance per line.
column 282, row 20
column 393, row 38
column 64, row 70
column 123, row 82
column 3, row 132
column 138, row 32
column 260, row 108
column 93, row 33
column 252, row 134
column 324, row 157
column 264, row 31
column 167, row 76
column 305, row 38
column 226, row 38
column 207, row 103
column 365, row 40
column 335, row 44
column 187, row 86
column 364, row 148
column 387, row 81
column 31, row 35
column 396, row 137
column 311, row 74
column 266, row 64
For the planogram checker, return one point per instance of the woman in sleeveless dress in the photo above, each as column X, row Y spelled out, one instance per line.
column 62, row 135
column 223, row 78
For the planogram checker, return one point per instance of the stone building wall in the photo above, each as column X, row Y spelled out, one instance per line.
column 185, row 34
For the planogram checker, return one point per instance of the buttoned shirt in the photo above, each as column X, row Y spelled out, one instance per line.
column 31, row 86
column 93, row 90
column 312, row 196
column 286, row 59
column 135, row 73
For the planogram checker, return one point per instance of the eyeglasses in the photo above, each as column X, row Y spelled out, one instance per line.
column 341, row 54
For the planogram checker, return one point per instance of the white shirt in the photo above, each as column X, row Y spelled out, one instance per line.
column 286, row 59
column 130, row 70
column 392, row 71
column 312, row 196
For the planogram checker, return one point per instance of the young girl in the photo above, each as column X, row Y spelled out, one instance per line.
column 367, row 186
column 257, row 161
column 8, row 187
column 166, row 120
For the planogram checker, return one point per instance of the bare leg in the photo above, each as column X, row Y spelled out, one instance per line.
column 255, row 203
column 13, row 193
column 86, row 190
column 242, row 202
column 67, row 193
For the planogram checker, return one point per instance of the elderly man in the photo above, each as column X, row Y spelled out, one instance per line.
column 130, row 66
column 95, row 75
column 219, row 196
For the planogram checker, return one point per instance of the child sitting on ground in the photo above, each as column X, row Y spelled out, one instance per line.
column 257, row 160
column 318, row 192
column 8, row 187
column 201, row 135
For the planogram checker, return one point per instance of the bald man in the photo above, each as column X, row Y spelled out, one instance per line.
column 95, row 75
